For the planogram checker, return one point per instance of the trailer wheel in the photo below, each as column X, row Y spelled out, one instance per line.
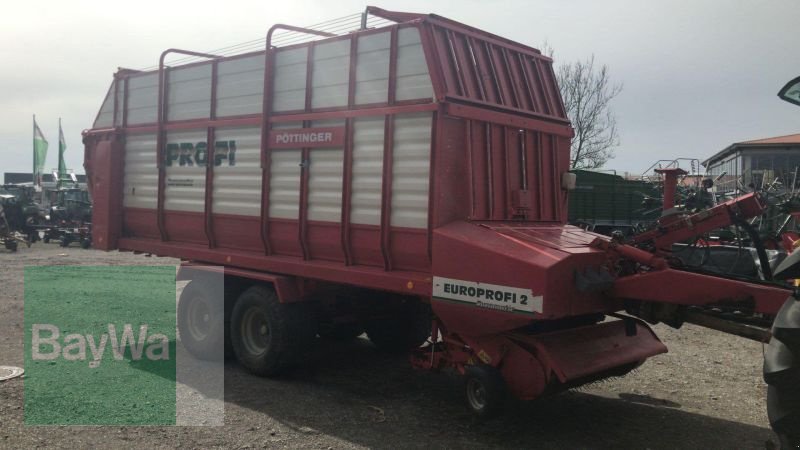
column 782, row 374
column 268, row 336
column 202, row 332
column 484, row 390
column 402, row 332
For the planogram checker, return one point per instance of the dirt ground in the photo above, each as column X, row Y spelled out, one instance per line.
column 706, row 392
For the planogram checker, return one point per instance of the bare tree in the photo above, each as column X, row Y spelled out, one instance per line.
column 587, row 92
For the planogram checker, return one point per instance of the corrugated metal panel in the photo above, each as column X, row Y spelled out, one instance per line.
column 284, row 184
column 237, row 187
column 185, row 185
column 411, row 170
column 325, row 184
column 189, row 92
column 500, row 74
column 289, row 82
column 331, row 74
column 105, row 117
column 141, row 174
column 372, row 68
column 240, row 86
column 142, row 99
column 413, row 79
column 367, row 170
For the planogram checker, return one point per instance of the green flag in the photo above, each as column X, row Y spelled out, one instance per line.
column 39, row 152
column 62, row 146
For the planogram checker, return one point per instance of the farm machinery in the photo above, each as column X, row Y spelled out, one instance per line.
column 408, row 179
column 21, row 215
column 69, row 218
column 9, row 236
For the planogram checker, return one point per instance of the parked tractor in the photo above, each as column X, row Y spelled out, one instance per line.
column 69, row 219
column 9, row 236
column 22, row 213
column 410, row 180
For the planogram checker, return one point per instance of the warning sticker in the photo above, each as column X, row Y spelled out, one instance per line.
column 489, row 296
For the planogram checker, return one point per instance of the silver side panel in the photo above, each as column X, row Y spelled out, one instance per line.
column 413, row 79
column 142, row 99
column 411, row 157
column 365, row 206
column 237, row 187
column 289, row 83
column 185, row 186
column 331, row 74
column 240, row 86
column 141, row 174
column 325, row 184
column 189, row 92
column 105, row 117
column 372, row 68
column 284, row 184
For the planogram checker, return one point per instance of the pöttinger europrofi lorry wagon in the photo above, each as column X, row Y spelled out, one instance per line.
column 407, row 178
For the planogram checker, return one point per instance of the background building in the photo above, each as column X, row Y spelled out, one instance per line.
column 756, row 163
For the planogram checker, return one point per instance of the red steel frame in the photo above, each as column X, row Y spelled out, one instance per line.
column 508, row 99
column 500, row 99
column 455, row 45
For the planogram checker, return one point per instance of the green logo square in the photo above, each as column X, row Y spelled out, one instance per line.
column 100, row 345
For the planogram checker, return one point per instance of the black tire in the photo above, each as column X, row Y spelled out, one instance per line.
column 12, row 246
column 200, row 323
column 782, row 374
column 484, row 391
column 86, row 243
column 401, row 332
column 64, row 242
column 342, row 332
column 269, row 336
column 46, row 239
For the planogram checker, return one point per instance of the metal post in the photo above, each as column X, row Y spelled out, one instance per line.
column 670, row 185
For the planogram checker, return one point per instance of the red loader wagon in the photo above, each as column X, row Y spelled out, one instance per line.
column 409, row 180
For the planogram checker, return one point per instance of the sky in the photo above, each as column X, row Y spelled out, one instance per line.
column 697, row 75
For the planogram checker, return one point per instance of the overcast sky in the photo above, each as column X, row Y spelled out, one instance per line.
column 697, row 75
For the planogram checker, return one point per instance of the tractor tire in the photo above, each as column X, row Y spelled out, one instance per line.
column 269, row 336
column 200, row 322
column 484, row 391
column 782, row 374
column 402, row 332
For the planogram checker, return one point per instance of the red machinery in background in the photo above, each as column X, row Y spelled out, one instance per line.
column 408, row 179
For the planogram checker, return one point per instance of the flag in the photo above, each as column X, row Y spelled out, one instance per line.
column 62, row 146
column 39, row 152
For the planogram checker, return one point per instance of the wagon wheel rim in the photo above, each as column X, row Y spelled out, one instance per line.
column 199, row 319
column 476, row 394
column 256, row 334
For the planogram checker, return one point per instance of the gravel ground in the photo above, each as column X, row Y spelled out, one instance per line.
column 706, row 392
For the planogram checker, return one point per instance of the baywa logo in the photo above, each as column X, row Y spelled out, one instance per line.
column 102, row 348
column 100, row 345
column 47, row 345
